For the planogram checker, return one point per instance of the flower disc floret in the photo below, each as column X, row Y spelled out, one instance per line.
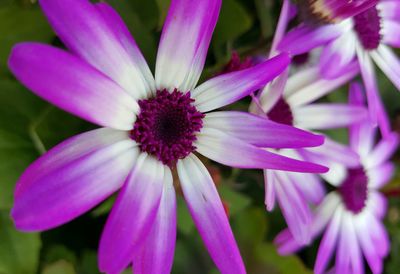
column 166, row 126
column 354, row 190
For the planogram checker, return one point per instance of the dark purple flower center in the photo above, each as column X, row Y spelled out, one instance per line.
column 166, row 126
column 368, row 27
column 354, row 190
column 281, row 113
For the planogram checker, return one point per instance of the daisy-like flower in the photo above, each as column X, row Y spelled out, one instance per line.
column 367, row 36
column 352, row 214
column 296, row 106
column 330, row 11
column 151, row 128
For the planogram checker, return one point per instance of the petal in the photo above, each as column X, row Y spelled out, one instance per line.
column 294, row 208
column 272, row 92
column 72, row 178
column 337, row 55
column 157, row 253
column 367, row 246
column 328, row 116
column 209, row 215
column 286, row 244
column 328, row 243
column 73, row 85
column 389, row 9
column 231, row 151
column 334, row 151
column 389, row 63
column 325, row 212
column 260, row 131
column 184, row 43
column 133, row 214
column 342, row 263
column 305, row 38
column 361, row 135
column 390, row 33
column 270, row 194
column 375, row 105
column 383, row 151
column 377, row 204
column 309, row 185
column 228, row 88
column 381, row 175
column 97, row 34
column 313, row 86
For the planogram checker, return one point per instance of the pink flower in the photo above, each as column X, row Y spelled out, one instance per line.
column 152, row 126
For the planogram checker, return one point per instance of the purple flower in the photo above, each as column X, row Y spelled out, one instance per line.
column 151, row 127
column 295, row 191
column 329, row 11
column 352, row 214
column 367, row 36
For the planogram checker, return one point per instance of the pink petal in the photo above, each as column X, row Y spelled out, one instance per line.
column 309, row 185
column 231, row 151
column 390, row 32
column 381, row 175
column 389, row 9
column 383, row 151
column 305, row 38
column 97, row 34
column 294, row 208
column 72, row 178
column 71, row 84
column 328, row 116
column 157, row 253
column 133, row 214
column 337, row 55
column 260, row 131
column 328, row 243
column 184, row 43
column 228, row 88
column 270, row 194
column 209, row 215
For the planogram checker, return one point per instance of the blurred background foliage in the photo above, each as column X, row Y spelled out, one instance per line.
column 30, row 126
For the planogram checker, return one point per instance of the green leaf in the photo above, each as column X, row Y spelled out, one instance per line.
column 20, row 23
column 235, row 201
column 163, row 10
column 233, row 21
column 184, row 219
column 275, row 263
column 142, row 32
column 250, row 227
column 28, row 127
column 267, row 20
column 19, row 252
column 59, row 267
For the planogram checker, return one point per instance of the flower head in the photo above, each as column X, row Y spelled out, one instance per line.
column 297, row 107
column 151, row 126
column 356, row 204
column 328, row 11
column 365, row 37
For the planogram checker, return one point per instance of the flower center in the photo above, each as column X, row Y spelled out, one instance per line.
column 368, row 26
column 354, row 190
column 166, row 126
column 281, row 113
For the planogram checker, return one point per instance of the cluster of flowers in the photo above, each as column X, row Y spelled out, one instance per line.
column 153, row 127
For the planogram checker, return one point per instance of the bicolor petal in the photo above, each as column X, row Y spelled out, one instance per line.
column 209, row 215
column 228, row 88
column 133, row 214
column 184, row 43
column 260, row 131
column 327, row 116
column 305, row 38
column 231, row 151
column 73, row 85
column 97, row 34
column 157, row 253
column 72, row 178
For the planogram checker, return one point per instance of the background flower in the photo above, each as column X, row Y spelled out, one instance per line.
column 30, row 126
